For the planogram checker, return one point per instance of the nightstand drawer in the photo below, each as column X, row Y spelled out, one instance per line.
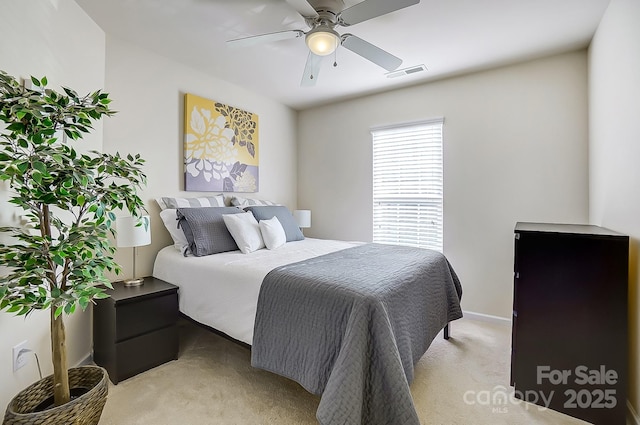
column 139, row 317
column 145, row 352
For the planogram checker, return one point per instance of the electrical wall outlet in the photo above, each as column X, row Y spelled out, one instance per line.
column 20, row 357
column 26, row 82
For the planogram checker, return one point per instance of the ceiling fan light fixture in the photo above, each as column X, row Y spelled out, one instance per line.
column 322, row 40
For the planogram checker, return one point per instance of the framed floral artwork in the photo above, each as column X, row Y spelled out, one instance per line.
column 220, row 147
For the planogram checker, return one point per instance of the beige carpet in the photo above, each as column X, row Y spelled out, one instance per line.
column 213, row 382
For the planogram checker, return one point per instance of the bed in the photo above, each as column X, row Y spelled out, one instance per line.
column 346, row 320
column 228, row 301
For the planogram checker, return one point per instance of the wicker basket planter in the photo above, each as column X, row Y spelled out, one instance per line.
column 83, row 410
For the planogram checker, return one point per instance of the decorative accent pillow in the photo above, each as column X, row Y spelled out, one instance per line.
column 245, row 231
column 205, row 230
column 170, row 219
column 238, row 201
column 272, row 233
column 211, row 201
column 285, row 218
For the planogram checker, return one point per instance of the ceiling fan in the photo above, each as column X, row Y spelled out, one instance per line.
column 322, row 16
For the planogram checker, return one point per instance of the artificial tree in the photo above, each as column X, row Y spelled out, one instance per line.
column 60, row 253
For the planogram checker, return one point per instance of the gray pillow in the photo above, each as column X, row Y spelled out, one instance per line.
column 205, row 230
column 265, row 212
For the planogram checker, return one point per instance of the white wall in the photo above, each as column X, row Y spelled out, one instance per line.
column 515, row 149
column 61, row 42
column 614, row 147
column 148, row 91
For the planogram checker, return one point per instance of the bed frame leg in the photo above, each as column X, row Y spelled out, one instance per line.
column 446, row 331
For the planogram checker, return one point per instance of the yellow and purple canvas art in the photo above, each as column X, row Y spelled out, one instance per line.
column 220, row 147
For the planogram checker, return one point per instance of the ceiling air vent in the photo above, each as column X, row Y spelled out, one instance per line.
column 406, row 71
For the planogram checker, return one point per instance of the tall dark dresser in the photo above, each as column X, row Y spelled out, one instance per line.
column 569, row 334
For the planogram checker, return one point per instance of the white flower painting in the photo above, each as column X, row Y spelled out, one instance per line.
column 220, row 147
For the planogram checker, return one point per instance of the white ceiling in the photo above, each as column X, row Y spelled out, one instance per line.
column 450, row 37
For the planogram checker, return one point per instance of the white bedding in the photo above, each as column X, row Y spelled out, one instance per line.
column 221, row 290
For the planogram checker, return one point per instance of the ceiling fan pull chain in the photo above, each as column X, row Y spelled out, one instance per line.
column 335, row 58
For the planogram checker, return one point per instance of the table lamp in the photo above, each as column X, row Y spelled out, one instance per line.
column 133, row 232
column 303, row 218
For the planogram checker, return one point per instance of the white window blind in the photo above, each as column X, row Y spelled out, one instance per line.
column 407, row 185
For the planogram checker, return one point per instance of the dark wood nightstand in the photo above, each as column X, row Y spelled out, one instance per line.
column 136, row 328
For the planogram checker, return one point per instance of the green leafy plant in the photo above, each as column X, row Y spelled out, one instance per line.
column 59, row 255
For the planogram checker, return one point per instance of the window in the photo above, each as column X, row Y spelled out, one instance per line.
column 407, row 185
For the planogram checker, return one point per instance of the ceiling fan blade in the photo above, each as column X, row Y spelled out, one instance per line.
column 311, row 70
column 369, row 9
column 371, row 52
column 303, row 7
column 264, row 38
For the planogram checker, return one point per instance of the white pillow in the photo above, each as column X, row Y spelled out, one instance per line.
column 272, row 233
column 245, row 231
column 170, row 220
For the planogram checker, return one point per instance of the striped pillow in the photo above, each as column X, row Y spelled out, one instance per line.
column 212, row 201
column 237, row 201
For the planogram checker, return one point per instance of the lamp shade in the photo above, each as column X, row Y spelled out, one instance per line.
column 322, row 40
column 303, row 218
column 129, row 233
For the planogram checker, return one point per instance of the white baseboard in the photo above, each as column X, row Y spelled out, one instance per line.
column 632, row 416
column 487, row 318
column 86, row 361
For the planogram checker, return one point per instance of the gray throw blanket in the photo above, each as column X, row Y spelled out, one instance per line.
column 350, row 325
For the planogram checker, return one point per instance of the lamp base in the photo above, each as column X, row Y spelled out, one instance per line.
column 136, row 281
